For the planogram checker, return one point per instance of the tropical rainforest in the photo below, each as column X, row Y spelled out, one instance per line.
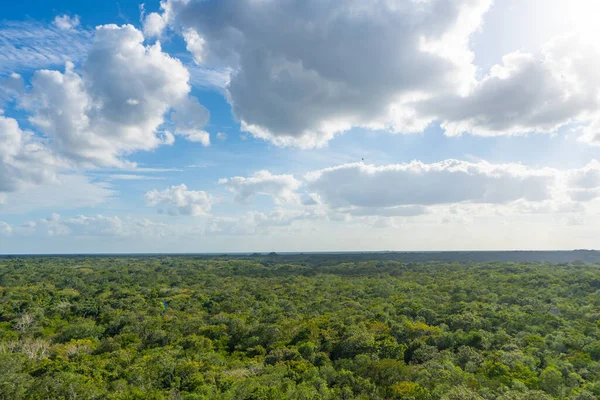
column 298, row 327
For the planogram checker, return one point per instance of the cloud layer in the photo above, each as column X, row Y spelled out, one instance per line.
column 416, row 183
column 80, row 104
column 82, row 226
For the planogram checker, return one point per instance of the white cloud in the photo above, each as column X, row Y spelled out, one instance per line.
column 416, row 183
column 24, row 159
column 221, row 136
column 527, row 93
column 116, row 103
column 132, row 177
column 325, row 74
column 180, row 201
column 452, row 191
column 282, row 188
column 199, row 136
column 5, row 229
column 154, row 24
column 33, row 177
column 66, row 22
column 195, row 44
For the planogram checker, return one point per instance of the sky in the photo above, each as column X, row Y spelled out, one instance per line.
column 299, row 125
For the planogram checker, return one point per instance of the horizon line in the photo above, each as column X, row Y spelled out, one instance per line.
column 242, row 253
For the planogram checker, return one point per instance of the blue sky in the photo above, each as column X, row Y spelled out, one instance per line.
column 205, row 126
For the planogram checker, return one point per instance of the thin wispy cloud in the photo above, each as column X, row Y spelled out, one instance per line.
column 30, row 45
column 132, row 177
column 139, row 170
column 209, row 77
column 203, row 165
column 151, row 169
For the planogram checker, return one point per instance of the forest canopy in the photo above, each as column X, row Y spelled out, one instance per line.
column 302, row 327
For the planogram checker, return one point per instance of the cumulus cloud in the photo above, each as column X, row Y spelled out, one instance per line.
column 417, row 183
column 527, row 93
column 116, row 103
column 397, row 192
column 178, row 200
column 282, row 188
column 195, row 44
column 24, row 159
column 34, row 177
column 66, row 22
column 451, row 191
column 306, row 70
column 153, row 25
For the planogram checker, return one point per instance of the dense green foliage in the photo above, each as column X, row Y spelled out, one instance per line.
column 270, row 328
